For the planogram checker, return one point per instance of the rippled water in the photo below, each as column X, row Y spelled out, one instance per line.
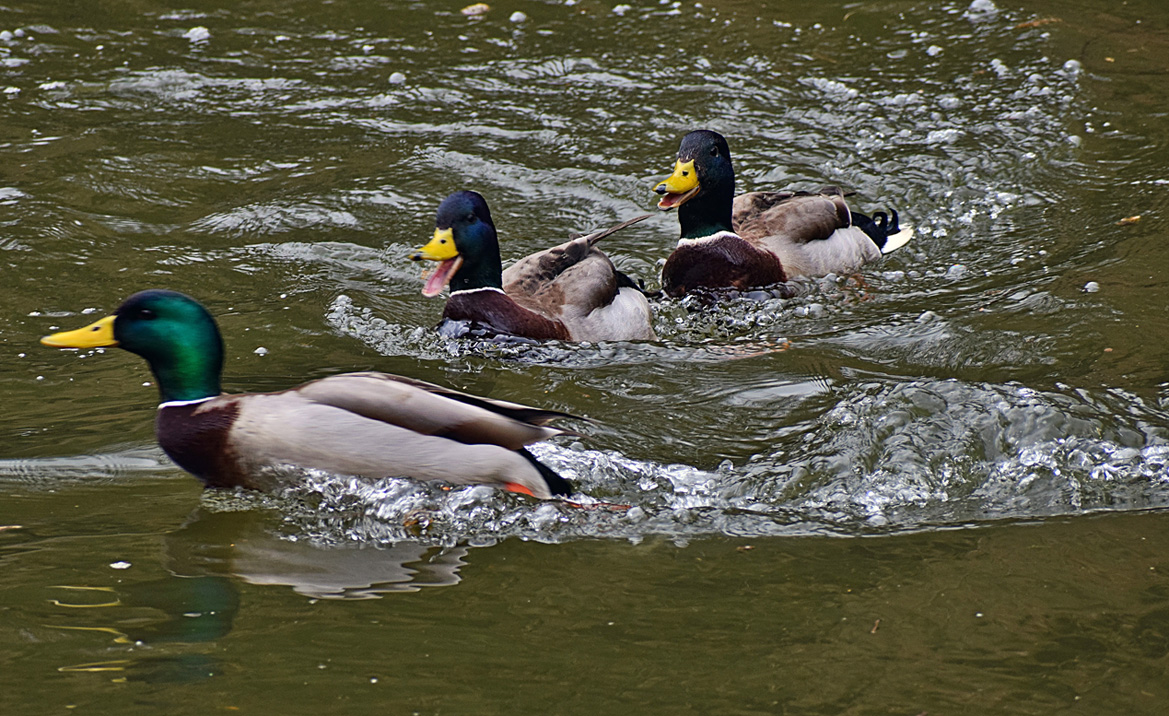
column 279, row 161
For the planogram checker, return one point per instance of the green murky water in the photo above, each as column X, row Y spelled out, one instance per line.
column 937, row 488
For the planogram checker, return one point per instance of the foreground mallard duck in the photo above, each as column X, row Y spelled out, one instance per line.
column 760, row 238
column 367, row 424
column 570, row 292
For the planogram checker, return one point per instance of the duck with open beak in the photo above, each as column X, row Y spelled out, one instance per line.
column 760, row 238
column 441, row 249
column 570, row 292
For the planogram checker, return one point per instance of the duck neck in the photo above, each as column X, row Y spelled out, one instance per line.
column 482, row 267
column 708, row 213
column 188, row 372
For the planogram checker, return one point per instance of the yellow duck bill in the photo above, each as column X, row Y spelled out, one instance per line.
column 99, row 334
column 679, row 187
column 442, row 249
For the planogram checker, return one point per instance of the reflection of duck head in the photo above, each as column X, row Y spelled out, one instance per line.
column 198, row 602
column 244, row 544
column 191, row 611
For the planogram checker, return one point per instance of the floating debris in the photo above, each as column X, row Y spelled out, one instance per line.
column 1037, row 23
column 478, row 8
column 1129, row 220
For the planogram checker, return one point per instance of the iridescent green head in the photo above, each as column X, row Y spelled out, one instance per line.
column 173, row 332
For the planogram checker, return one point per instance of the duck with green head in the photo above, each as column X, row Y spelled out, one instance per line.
column 570, row 292
column 760, row 238
column 367, row 424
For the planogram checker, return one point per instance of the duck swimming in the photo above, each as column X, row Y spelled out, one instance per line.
column 570, row 292
column 760, row 238
column 367, row 424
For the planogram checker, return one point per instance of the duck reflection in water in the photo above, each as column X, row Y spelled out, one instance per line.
column 168, row 625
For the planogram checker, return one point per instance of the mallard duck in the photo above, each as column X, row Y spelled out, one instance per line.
column 760, row 238
column 366, row 424
column 570, row 292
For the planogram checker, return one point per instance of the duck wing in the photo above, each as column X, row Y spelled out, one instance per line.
column 596, row 236
column 433, row 410
column 531, row 274
column 792, row 217
column 576, row 283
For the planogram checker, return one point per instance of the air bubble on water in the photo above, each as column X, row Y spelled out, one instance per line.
column 197, row 34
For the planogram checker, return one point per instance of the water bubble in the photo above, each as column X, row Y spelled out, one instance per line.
column 943, row 136
column 981, row 10
column 956, row 271
column 1091, row 287
column 197, row 34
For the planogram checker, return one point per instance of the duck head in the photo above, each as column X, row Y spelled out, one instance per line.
column 464, row 245
column 702, row 186
column 174, row 333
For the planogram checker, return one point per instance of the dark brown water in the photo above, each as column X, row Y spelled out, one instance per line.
column 933, row 488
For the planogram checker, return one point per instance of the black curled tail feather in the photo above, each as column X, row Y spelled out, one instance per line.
column 624, row 280
column 557, row 485
column 878, row 227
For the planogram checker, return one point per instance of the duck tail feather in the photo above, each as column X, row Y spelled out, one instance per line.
column 557, row 485
column 884, row 229
column 897, row 240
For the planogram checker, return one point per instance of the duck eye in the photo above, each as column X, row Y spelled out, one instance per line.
column 714, row 151
column 147, row 314
column 471, row 218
